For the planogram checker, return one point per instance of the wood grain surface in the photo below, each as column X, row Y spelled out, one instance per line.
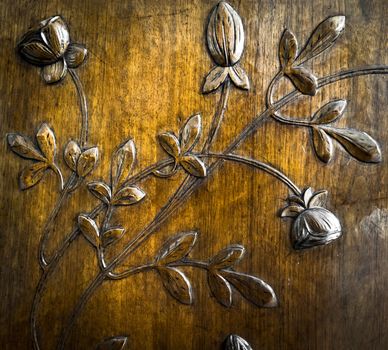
column 144, row 72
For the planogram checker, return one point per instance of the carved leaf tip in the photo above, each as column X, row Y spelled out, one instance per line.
column 235, row 342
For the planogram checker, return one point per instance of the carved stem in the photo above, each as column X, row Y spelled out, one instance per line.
column 168, row 209
column 258, row 165
column 46, row 273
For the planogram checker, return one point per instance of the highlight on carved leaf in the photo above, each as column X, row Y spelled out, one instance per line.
column 100, row 190
column 357, row 143
column 190, row 133
column 303, row 80
column 193, row 165
column 288, row 49
column 239, row 77
column 323, row 37
column 251, row 288
column 215, row 78
column 114, row 343
column 330, row 112
column 228, row 257
column 176, row 284
column 176, row 248
column 23, row 147
column 170, row 144
column 89, row 229
column 220, row 288
column 31, row 175
column 123, row 161
column 235, row 342
column 323, row 145
column 128, row 195
column 111, row 235
column 71, row 155
column 87, row 161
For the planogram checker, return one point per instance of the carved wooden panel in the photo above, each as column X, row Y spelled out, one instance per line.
column 193, row 175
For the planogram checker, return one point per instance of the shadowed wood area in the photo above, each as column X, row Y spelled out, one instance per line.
column 185, row 217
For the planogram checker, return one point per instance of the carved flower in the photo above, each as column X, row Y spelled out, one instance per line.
column 225, row 40
column 314, row 225
column 48, row 45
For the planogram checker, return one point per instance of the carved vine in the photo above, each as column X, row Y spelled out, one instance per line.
column 48, row 46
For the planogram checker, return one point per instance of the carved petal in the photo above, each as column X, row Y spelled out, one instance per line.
column 176, row 248
column 87, row 161
column 128, row 195
column 330, row 112
column 115, row 343
column 239, row 77
column 288, row 48
column 235, row 342
column 358, row 143
column 291, row 211
column 323, row 145
column 56, row 35
column 307, row 194
column 31, row 175
column 193, row 165
column 318, row 199
column 46, row 142
column 190, row 133
column 303, row 80
column 75, row 55
column 89, row 229
column 37, row 53
column 71, row 154
column 324, row 36
column 54, row 72
column 228, row 257
column 177, row 284
column 252, row 288
column 23, row 147
column 111, row 235
column 170, row 144
column 220, row 288
column 122, row 163
column 214, row 79
column 100, row 190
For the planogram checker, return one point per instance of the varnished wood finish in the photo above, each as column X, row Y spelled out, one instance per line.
column 144, row 76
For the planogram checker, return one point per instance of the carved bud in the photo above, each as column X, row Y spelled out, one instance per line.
column 48, row 45
column 225, row 40
column 314, row 225
column 235, row 342
column 225, row 35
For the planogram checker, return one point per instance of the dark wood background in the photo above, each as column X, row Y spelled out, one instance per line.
column 147, row 61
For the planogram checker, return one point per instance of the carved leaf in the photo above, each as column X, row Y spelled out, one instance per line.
column 288, row 49
column 176, row 248
column 170, row 144
column 71, row 154
column 193, row 165
column 235, row 342
column 167, row 171
column 323, row 145
column 330, row 112
column 303, row 80
column 23, row 147
column 324, row 36
column 291, row 211
column 214, row 79
column 111, row 235
column 46, row 142
column 89, row 229
column 307, row 194
column 122, row 163
column 75, row 55
column 318, row 199
column 358, row 143
column 87, row 161
column 115, row 343
column 239, row 77
column 252, row 288
column 228, row 257
column 128, row 195
column 31, row 175
column 176, row 284
column 296, row 200
column 220, row 288
column 55, row 72
column 190, row 133
column 100, row 190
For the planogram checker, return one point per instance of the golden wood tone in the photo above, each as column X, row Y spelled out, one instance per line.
column 180, row 216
